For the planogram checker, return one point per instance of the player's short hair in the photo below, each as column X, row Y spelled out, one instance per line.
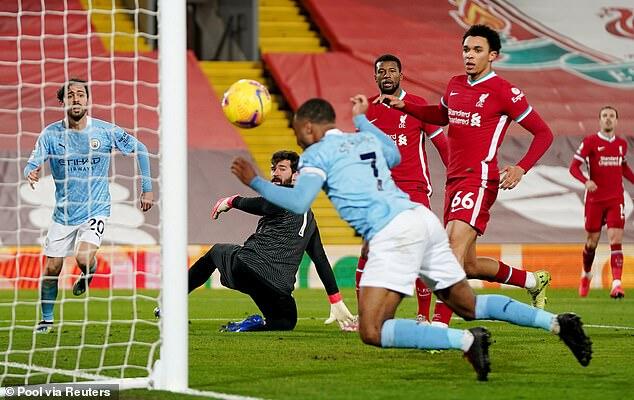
column 316, row 110
column 608, row 107
column 72, row 81
column 285, row 155
column 492, row 37
column 388, row 57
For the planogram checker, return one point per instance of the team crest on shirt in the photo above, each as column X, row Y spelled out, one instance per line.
column 95, row 144
column 401, row 124
column 482, row 99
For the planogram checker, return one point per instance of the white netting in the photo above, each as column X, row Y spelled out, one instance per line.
column 108, row 332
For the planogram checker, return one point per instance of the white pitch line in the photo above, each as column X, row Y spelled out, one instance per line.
column 627, row 328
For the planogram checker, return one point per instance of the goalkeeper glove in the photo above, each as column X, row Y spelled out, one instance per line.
column 222, row 205
column 340, row 313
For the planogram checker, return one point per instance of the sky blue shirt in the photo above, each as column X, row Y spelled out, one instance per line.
column 354, row 171
column 80, row 163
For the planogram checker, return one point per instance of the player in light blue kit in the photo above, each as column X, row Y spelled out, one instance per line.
column 406, row 240
column 78, row 149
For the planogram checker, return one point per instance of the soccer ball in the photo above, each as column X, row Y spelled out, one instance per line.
column 246, row 103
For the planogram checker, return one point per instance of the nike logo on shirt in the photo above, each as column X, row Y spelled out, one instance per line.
column 601, row 148
column 453, row 93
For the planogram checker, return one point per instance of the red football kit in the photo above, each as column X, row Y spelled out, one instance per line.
column 479, row 113
column 412, row 174
column 605, row 160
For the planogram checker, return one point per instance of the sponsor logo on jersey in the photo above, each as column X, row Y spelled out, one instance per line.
column 95, row 143
column 610, row 161
column 518, row 95
column 400, row 140
column 482, row 99
column 475, row 119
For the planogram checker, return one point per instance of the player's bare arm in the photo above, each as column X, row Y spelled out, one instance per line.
column 511, row 175
column 33, row 177
column 359, row 104
column 146, row 201
column 243, row 170
column 390, row 100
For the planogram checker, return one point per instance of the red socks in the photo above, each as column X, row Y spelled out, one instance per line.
column 423, row 295
column 588, row 259
column 616, row 261
column 442, row 313
column 510, row 275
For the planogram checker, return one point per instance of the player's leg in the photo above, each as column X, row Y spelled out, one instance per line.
column 594, row 220
column 59, row 243
column 279, row 311
column 592, row 241
column 48, row 292
column 389, row 275
column 615, row 220
column 443, row 273
column 89, row 235
column 418, row 194
column 363, row 259
column 462, row 240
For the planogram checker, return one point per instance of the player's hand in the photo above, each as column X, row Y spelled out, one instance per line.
column 389, row 100
column 359, row 104
column 510, row 176
column 33, row 177
column 340, row 313
column 243, row 170
column 147, row 200
column 222, row 205
column 591, row 186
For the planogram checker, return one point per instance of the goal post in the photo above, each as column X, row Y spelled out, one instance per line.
column 173, row 94
column 108, row 335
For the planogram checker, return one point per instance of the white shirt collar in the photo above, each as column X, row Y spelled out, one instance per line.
column 607, row 139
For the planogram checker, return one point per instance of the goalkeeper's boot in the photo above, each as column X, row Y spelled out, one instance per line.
column 572, row 334
column 250, row 323
column 538, row 293
column 84, row 281
column 617, row 292
column 478, row 353
column 44, row 327
column 584, row 286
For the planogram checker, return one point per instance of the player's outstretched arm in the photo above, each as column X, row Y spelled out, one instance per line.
column 296, row 199
column 431, row 114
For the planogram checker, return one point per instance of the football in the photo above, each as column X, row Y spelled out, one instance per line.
column 246, row 103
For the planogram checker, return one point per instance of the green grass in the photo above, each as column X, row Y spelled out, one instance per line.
column 316, row 361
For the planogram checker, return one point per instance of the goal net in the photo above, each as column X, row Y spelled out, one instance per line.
column 108, row 333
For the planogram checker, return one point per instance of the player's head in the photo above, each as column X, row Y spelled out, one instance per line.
column 284, row 167
column 312, row 120
column 74, row 96
column 388, row 73
column 480, row 46
column 608, row 118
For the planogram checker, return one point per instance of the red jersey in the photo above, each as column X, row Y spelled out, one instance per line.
column 604, row 157
column 409, row 135
column 479, row 114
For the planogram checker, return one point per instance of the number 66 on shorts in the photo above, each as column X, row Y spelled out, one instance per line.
column 469, row 200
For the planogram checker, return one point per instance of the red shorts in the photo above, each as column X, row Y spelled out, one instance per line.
column 417, row 192
column 469, row 200
column 599, row 213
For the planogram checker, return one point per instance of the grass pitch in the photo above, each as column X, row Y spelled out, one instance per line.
column 317, row 361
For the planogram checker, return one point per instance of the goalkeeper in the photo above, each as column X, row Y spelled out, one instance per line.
column 78, row 149
column 266, row 265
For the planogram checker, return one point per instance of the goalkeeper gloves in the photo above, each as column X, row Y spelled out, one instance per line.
column 222, row 205
column 340, row 313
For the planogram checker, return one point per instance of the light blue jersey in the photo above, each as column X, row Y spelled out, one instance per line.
column 80, row 163
column 354, row 171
